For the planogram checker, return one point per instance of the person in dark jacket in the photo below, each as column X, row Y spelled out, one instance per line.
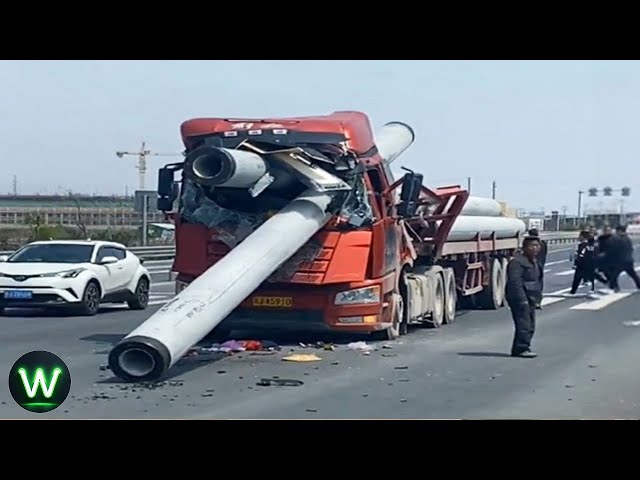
column 585, row 262
column 542, row 259
column 621, row 256
column 602, row 255
column 523, row 291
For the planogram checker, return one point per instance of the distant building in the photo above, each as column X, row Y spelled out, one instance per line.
column 65, row 209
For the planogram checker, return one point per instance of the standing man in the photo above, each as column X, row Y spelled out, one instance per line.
column 542, row 259
column 523, row 291
column 621, row 254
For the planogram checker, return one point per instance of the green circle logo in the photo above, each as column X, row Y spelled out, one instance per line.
column 39, row 381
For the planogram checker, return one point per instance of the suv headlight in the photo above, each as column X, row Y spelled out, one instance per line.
column 66, row 274
column 364, row 295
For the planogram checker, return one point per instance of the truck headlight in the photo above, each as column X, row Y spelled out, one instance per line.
column 364, row 295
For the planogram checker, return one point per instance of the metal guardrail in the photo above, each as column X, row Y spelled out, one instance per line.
column 167, row 252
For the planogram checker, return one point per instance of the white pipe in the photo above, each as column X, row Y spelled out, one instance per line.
column 466, row 228
column 481, row 207
column 224, row 167
column 393, row 139
column 156, row 345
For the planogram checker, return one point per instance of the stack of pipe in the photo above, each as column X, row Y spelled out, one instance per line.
column 484, row 216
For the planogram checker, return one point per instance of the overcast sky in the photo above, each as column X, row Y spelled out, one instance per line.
column 541, row 130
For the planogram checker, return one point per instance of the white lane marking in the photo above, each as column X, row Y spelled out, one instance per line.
column 601, row 302
column 555, row 263
column 557, row 296
column 566, row 272
column 547, row 270
column 159, row 302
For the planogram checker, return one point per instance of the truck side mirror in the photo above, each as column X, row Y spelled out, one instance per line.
column 167, row 191
column 409, row 194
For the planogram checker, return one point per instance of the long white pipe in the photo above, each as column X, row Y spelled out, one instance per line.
column 155, row 346
column 466, row 228
column 481, row 207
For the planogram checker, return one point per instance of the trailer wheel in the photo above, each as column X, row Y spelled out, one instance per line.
column 437, row 313
column 450, row 297
column 492, row 296
column 399, row 326
column 505, row 264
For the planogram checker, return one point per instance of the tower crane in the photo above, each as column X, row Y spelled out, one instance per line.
column 142, row 161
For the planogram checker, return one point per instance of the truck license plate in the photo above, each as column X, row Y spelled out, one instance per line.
column 273, row 302
column 19, row 294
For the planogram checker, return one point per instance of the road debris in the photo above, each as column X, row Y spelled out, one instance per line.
column 311, row 410
column 593, row 366
column 301, row 358
column 404, row 367
column 634, row 323
column 361, row 347
column 279, row 382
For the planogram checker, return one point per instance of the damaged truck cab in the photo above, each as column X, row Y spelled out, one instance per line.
column 380, row 262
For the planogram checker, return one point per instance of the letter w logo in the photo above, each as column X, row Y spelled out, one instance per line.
column 39, row 382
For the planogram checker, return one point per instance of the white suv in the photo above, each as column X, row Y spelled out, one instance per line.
column 77, row 273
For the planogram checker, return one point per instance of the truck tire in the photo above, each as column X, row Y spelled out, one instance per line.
column 492, row 296
column 438, row 307
column 399, row 326
column 450, row 297
column 505, row 264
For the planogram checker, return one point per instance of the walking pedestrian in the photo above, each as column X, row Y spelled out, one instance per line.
column 603, row 260
column 523, row 290
column 621, row 255
column 542, row 259
column 585, row 263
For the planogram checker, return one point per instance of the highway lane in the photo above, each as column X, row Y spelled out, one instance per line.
column 458, row 371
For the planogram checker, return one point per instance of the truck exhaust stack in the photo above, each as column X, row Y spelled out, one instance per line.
column 155, row 346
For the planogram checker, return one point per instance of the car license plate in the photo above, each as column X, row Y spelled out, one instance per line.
column 273, row 302
column 19, row 294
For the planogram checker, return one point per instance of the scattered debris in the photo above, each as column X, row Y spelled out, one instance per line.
column 635, row 323
column 104, row 367
column 367, row 353
column 221, row 372
column 404, row 380
column 403, row 400
column 365, row 395
column 311, row 410
column 389, row 354
column 593, row 366
column 279, row 382
column 569, row 386
column 205, row 395
column 360, row 346
column 101, row 396
column 335, row 363
column 301, row 358
column 401, row 368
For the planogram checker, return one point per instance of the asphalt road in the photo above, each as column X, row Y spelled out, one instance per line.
column 586, row 369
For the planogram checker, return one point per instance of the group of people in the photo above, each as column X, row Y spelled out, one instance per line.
column 602, row 259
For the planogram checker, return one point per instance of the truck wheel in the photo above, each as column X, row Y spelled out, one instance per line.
column 492, row 296
column 399, row 326
column 450, row 298
column 505, row 264
column 437, row 314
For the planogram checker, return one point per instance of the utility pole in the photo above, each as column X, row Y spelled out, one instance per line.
column 493, row 190
column 145, row 223
column 15, row 186
column 142, row 161
column 580, row 193
column 469, row 185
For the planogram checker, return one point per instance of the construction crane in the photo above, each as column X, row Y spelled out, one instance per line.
column 142, row 160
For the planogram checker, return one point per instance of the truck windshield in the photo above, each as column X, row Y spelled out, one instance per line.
column 53, row 253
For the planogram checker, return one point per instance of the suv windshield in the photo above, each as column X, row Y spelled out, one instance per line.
column 53, row 253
